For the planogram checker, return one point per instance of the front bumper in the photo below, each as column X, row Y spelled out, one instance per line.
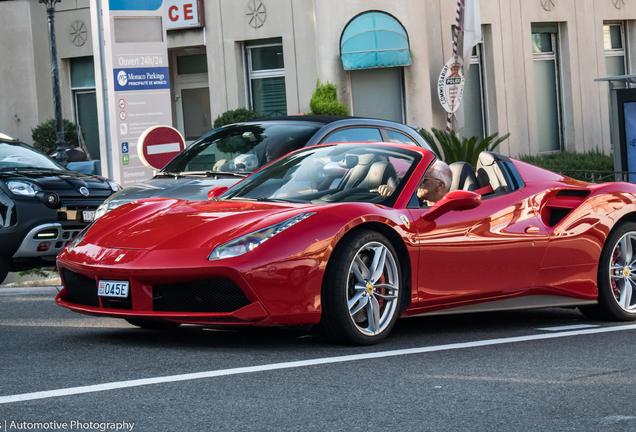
column 214, row 300
column 46, row 240
column 214, row 295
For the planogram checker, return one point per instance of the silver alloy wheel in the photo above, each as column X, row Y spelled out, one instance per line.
column 373, row 285
column 622, row 272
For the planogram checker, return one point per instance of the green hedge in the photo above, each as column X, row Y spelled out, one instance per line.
column 44, row 135
column 236, row 116
column 324, row 100
column 580, row 166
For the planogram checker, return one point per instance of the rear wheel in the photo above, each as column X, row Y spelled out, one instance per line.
column 152, row 324
column 617, row 277
column 361, row 292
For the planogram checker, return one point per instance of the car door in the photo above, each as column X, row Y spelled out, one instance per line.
column 493, row 250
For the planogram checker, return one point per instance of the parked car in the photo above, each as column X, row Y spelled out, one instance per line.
column 226, row 155
column 309, row 239
column 42, row 206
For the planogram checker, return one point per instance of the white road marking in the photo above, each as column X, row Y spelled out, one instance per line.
column 302, row 363
column 569, row 327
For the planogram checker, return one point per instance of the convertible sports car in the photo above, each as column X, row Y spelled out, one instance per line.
column 309, row 240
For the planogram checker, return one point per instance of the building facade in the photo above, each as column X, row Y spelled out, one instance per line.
column 532, row 75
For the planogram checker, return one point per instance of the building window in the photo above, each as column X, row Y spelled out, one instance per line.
column 547, row 88
column 192, row 94
column 266, row 77
column 474, row 99
column 85, row 103
column 615, row 58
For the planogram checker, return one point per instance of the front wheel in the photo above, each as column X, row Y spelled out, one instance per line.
column 617, row 277
column 361, row 291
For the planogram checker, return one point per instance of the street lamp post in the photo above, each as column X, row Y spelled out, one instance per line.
column 60, row 144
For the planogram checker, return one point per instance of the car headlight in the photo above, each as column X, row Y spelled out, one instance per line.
column 105, row 207
column 101, row 210
column 22, row 188
column 114, row 186
column 73, row 244
column 252, row 240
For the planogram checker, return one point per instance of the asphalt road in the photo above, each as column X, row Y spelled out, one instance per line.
column 542, row 370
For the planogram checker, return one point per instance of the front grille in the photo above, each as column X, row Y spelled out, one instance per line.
column 74, row 212
column 117, row 303
column 80, row 208
column 206, row 295
column 81, row 289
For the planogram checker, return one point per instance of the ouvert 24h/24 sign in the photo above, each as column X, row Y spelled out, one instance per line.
column 138, row 82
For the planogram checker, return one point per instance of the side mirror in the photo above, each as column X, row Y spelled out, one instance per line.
column 456, row 200
column 216, row 192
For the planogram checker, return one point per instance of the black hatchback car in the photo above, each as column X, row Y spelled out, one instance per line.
column 225, row 155
column 42, row 206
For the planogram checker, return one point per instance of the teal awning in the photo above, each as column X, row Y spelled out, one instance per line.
column 374, row 40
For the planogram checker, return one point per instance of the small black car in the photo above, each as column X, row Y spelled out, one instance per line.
column 42, row 206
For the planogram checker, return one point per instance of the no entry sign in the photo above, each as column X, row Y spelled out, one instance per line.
column 158, row 145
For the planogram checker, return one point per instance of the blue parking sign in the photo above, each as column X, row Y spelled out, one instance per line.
column 124, row 147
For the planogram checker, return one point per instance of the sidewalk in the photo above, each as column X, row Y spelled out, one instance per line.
column 14, row 280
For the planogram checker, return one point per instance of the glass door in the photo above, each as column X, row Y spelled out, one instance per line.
column 547, row 86
column 192, row 94
column 193, row 110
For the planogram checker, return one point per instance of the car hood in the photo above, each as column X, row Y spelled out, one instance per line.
column 186, row 188
column 176, row 224
column 54, row 180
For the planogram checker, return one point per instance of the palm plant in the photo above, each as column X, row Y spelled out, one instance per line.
column 457, row 149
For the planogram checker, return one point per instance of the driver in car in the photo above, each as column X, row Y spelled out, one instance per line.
column 432, row 187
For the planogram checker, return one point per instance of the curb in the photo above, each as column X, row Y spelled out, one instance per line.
column 55, row 281
column 30, row 290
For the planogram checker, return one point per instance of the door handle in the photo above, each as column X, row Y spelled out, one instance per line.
column 532, row 229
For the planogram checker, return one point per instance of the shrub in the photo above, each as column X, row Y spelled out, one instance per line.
column 324, row 100
column 236, row 116
column 581, row 166
column 455, row 149
column 44, row 135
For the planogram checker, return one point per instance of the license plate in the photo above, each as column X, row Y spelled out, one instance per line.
column 112, row 289
column 88, row 215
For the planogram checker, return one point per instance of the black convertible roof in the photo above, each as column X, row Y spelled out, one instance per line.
column 325, row 119
column 314, row 118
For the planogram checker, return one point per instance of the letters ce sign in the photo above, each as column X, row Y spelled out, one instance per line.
column 182, row 14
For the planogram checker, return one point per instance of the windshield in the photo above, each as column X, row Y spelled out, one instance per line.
column 242, row 149
column 341, row 173
column 22, row 156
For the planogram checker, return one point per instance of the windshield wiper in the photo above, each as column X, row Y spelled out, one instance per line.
column 274, row 200
column 27, row 168
column 214, row 173
column 168, row 174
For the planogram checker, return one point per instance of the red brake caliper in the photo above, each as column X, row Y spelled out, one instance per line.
column 615, row 288
column 381, row 291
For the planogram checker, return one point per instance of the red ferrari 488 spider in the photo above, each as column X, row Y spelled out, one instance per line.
column 309, row 239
